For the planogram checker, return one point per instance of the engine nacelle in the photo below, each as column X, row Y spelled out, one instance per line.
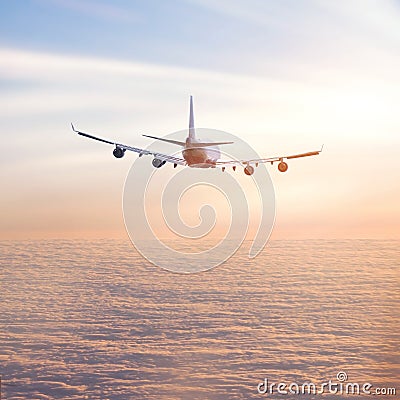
column 282, row 166
column 118, row 152
column 249, row 170
column 157, row 163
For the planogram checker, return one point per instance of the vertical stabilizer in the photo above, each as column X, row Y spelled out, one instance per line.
column 191, row 120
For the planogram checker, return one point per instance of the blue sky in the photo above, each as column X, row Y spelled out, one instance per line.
column 173, row 32
column 285, row 76
column 238, row 36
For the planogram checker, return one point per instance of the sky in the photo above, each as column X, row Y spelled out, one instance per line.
column 285, row 76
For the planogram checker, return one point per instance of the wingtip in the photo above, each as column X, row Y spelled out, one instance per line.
column 72, row 126
column 322, row 147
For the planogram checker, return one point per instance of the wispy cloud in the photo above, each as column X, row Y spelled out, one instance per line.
column 70, row 82
column 383, row 14
column 370, row 17
column 317, row 22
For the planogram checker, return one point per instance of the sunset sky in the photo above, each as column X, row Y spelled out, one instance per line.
column 285, row 76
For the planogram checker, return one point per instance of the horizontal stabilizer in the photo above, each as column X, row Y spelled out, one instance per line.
column 191, row 145
column 207, row 144
column 167, row 140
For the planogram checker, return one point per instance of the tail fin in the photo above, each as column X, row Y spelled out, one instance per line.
column 192, row 133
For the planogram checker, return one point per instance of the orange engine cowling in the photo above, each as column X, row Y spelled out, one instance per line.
column 282, row 166
column 248, row 170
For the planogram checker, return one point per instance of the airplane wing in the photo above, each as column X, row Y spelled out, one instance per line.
column 121, row 148
column 282, row 166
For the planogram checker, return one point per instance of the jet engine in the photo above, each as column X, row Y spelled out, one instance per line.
column 282, row 166
column 249, row 170
column 118, row 152
column 157, row 163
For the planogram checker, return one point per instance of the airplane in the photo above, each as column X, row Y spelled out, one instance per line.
column 195, row 153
